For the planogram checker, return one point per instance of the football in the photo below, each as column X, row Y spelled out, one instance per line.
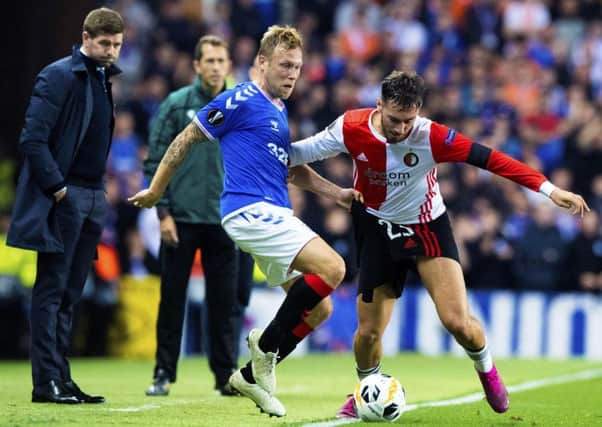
column 379, row 397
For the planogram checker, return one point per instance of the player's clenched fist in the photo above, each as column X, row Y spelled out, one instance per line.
column 347, row 196
column 144, row 199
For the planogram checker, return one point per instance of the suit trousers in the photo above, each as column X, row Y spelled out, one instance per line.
column 220, row 265
column 60, row 279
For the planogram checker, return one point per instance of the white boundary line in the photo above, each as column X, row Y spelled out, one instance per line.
column 135, row 408
column 475, row 397
column 150, row 407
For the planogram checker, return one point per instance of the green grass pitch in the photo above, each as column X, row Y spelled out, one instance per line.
column 312, row 388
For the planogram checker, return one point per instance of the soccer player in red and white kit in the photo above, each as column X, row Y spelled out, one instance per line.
column 403, row 221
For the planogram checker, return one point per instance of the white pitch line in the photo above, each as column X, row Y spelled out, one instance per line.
column 135, row 408
column 149, row 407
column 475, row 397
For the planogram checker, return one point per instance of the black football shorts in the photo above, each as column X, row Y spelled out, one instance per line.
column 387, row 251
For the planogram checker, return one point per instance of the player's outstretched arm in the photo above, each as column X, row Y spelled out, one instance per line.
column 306, row 178
column 174, row 156
column 566, row 199
column 449, row 146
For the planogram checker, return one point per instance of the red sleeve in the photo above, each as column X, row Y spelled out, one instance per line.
column 504, row 165
column 447, row 145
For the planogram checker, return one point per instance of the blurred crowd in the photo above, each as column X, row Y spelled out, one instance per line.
column 521, row 76
column 524, row 77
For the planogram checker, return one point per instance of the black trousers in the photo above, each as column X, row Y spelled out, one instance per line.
column 220, row 264
column 243, row 295
column 60, row 279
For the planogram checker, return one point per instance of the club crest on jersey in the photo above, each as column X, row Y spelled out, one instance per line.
column 410, row 159
column 215, row 117
column 449, row 139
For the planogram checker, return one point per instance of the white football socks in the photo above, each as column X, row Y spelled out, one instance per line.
column 483, row 362
column 363, row 373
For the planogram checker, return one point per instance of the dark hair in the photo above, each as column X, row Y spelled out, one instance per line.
column 208, row 39
column 404, row 89
column 103, row 21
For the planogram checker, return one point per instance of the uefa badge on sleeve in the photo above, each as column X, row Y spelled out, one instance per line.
column 215, row 117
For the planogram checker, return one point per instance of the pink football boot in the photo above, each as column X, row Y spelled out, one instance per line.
column 348, row 409
column 495, row 390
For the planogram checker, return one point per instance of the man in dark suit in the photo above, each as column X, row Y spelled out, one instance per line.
column 60, row 205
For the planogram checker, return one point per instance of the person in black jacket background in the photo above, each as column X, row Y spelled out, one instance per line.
column 60, row 200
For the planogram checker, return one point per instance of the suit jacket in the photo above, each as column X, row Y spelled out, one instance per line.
column 56, row 121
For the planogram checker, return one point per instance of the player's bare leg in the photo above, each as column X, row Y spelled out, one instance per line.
column 318, row 258
column 324, row 270
column 373, row 319
column 444, row 281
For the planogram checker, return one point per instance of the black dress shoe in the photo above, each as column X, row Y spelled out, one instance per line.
column 73, row 388
column 52, row 392
column 159, row 387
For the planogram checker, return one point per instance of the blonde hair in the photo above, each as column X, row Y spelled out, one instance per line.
column 277, row 35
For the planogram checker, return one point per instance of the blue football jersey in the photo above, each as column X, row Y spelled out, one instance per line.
column 255, row 141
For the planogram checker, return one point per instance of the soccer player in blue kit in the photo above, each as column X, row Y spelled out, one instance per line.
column 250, row 121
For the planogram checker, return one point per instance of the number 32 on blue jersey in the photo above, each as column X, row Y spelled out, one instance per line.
column 278, row 152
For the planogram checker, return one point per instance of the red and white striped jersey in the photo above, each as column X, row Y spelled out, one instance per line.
column 399, row 181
